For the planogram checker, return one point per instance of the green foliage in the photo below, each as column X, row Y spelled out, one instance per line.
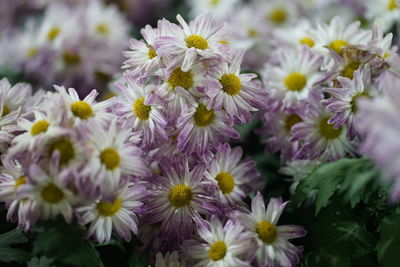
column 41, row 262
column 65, row 243
column 388, row 246
column 354, row 179
column 11, row 254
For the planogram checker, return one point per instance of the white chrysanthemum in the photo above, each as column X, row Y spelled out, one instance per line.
column 220, row 9
column 388, row 11
column 279, row 13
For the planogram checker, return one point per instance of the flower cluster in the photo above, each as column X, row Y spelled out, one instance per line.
column 153, row 160
column 76, row 44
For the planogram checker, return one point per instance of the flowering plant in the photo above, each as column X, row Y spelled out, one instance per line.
column 254, row 133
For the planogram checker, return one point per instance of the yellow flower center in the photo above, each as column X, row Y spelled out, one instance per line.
column 102, row 29
column 53, row 33
column 71, row 58
column 180, row 195
column 266, row 232
column 327, row 131
column 392, row 5
column 181, row 78
column 252, row 32
column 217, row 251
column 230, row 84
column 196, row 41
column 107, row 209
column 338, row 45
column 52, row 194
column 141, row 110
column 278, row 16
column 6, row 111
column 225, row 42
column 65, row 148
column 151, row 53
column 226, row 182
column 82, row 110
column 214, row 2
column 110, row 158
column 307, row 41
column 291, row 120
column 354, row 101
column 295, row 81
column 39, row 127
column 20, row 181
column 349, row 69
column 203, row 116
column 31, row 52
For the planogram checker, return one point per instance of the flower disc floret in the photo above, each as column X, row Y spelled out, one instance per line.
column 151, row 53
column 180, row 195
column 278, row 16
column 82, row 110
column 66, row 149
column 110, row 158
column 196, row 41
column 230, row 84
column 307, row 41
column 349, row 69
column 102, row 29
column 266, row 232
column 226, row 182
column 295, row 81
column 107, row 209
column 52, row 194
column 39, row 127
column 203, row 116
column 338, row 45
column 20, row 181
column 141, row 110
column 392, row 5
column 181, row 78
column 53, row 33
column 217, row 251
column 291, row 120
column 327, row 130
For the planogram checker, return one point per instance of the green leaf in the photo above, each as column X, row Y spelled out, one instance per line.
column 40, row 262
column 65, row 242
column 388, row 246
column 10, row 254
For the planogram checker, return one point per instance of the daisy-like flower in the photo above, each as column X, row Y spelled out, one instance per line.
column 83, row 110
column 220, row 9
column 343, row 101
column 16, row 97
column 220, row 245
column 337, row 35
column 274, row 248
column 233, row 176
column 11, row 178
column 140, row 105
column 105, row 23
column 178, row 197
column 388, row 11
column 170, row 259
column 199, row 38
column 49, row 192
column 319, row 138
column 297, row 35
column 238, row 94
column 200, row 127
column 279, row 13
column 112, row 157
column 381, row 138
column 118, row 215
column 142, row 57
column 278, row 129
column 295, row 75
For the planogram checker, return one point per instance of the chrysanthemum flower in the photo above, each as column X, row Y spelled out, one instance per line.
column 177, row 198
column 118, row 215
column 337, row 35
column 83, row 110
column 200, row 127
column 220, row 245
column 170, row 259
column 238, row 94
column 220, row 9
column 279, row 13
column 140, row 105
column 234, row 178
column 274, row 248
column 297, row 35
column 343, row 101
column 112, row 156
column 295, row 75
column 388, row 11
column 320, row 139
column 199, row 38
